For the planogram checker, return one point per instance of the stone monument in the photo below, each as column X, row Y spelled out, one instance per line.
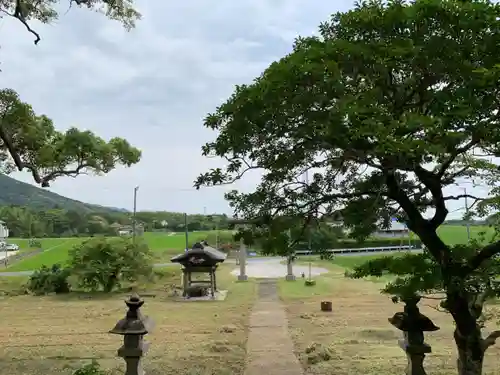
column 243, row 261
column 289, row 268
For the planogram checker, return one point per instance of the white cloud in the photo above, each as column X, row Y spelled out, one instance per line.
column 152, row 85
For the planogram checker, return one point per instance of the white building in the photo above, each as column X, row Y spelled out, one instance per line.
column 4, row 231
column 396, row 230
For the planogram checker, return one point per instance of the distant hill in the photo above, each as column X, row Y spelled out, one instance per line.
column 14, row 192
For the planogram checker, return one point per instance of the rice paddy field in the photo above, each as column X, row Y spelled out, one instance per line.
column 56, row 250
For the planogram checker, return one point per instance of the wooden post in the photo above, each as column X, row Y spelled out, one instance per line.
column 215, row 279
column 326, row 306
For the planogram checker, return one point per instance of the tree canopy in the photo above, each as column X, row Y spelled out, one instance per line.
column 30, row 141
column 69, row 221
column 389, row 107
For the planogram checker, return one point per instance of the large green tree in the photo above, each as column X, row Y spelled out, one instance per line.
column 390, row 106
column 29, row 141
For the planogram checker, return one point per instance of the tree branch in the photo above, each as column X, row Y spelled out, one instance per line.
column 491, row 339
column 416, row 222
column 398, row 195
column 433, row 183
column 484, row 254
column 460, row 150
column 19, row 14
column 17, row 159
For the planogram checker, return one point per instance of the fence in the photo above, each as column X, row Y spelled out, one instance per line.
column 364, row 250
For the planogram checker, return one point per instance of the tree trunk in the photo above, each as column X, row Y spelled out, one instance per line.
column 470, row 353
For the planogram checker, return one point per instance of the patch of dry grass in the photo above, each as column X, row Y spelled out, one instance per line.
column 356, row 337
column 55, row 334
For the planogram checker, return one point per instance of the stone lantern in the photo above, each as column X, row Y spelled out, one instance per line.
column 413, row 324
column 133, row 328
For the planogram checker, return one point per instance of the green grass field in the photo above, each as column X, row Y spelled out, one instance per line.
column 456, row 234
column 56, row 250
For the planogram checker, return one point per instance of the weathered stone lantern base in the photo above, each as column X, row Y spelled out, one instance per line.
column 133, row 358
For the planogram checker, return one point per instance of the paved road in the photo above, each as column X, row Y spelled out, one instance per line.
column 273, row 268
column 271, row 264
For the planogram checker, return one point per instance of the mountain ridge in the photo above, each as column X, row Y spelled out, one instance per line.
column 18, row 193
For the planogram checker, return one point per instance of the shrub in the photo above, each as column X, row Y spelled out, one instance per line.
column 35, row 243
column 92, row 368
column 49, row 280
column 103, row 263
column 326, row 255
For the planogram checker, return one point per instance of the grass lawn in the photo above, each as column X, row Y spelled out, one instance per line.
column 356, row 337
column 55, row 334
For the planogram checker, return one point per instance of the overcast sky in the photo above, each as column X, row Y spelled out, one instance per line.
column 152, row 86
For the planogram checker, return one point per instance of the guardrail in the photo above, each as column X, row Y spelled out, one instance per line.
column 362, row 250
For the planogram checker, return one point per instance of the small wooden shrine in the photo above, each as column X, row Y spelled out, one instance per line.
column 200, row 259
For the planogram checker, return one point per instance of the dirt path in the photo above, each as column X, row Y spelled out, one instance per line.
column 269, row 347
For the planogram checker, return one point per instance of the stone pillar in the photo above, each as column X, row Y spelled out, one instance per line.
column 243, row 262
column 133, row 328
column 415, row 354
column 289, row 269
column 413, row 324
column 185, row 282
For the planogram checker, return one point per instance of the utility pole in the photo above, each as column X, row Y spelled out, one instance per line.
column 467, row 215
column 217, row 234
column 309, row 239
column 186, row 230
column 133, row 215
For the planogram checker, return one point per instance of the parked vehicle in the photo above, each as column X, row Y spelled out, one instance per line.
column 11, row 247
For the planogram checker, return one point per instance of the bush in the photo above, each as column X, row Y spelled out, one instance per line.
column 310, row 283
column 92, row 368
column 326, row 255
column 49, row 280
column 103, row 263
column 35, row 243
